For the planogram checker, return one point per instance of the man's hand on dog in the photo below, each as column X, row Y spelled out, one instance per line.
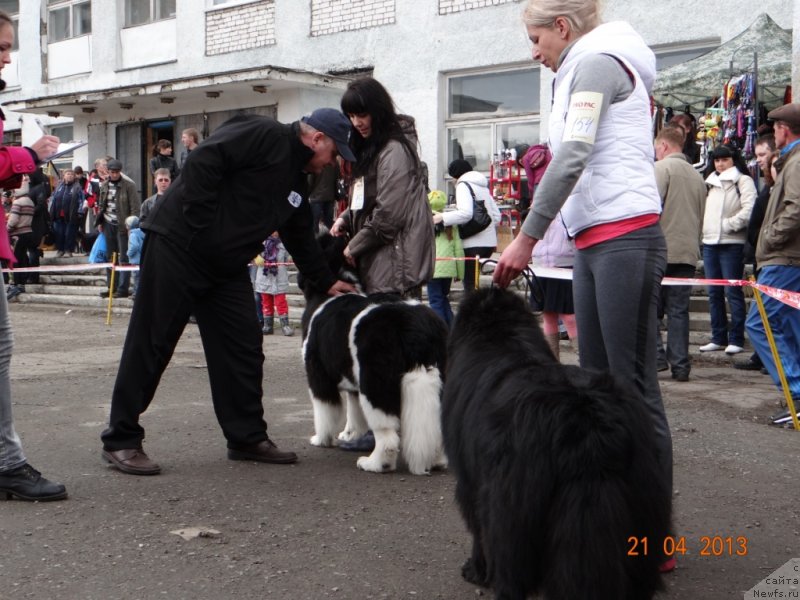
column 341, row 287
column 513, row 260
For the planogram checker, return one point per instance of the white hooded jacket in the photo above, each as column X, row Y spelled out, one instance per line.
column 730, row 200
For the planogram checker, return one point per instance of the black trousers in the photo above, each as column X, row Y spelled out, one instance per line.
column 117, row 241
column 173, row 285
column 469, row 266
column 21, row 248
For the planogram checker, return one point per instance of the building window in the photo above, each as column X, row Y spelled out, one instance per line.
column 140, row 12
column 11, row 7
column 12, row 138
column 487, row 112
column 68, row 19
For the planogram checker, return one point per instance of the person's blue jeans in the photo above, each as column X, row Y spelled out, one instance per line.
column 438, row 298
column 65, row 234
column 725, row 261
column 675, row 303
column 11, row 455
column 784, row 321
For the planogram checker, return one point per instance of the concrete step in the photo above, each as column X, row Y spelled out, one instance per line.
column 59, row 289
column 93, row 300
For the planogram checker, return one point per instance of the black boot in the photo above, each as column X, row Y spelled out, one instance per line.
column 268, row 325
column 26, row 483
column 287, row 329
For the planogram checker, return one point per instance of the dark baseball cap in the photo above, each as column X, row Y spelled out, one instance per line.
column 336, row 126
column 114, row 165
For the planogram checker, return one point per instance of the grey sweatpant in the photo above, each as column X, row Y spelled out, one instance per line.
column 616, row 285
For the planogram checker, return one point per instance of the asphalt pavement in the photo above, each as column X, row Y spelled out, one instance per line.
column 210, row 528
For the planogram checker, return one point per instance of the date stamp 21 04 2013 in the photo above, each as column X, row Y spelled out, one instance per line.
column 705, row 545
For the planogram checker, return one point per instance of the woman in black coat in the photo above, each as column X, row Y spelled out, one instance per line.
column 162, row 159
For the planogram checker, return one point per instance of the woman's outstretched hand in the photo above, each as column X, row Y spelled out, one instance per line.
column 513, row 260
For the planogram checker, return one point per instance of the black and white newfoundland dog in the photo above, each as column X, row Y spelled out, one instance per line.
column 387, row 357
column 556, row 466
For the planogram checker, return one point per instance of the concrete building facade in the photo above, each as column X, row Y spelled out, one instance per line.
column 124, row 73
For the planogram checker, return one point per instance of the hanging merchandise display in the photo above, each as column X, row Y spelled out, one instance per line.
column 504, row 177
column 741, row 115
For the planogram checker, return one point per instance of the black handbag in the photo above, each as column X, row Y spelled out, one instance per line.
column 480, row 218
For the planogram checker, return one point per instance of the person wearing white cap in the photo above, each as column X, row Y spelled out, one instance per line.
column 778, row 257
column 244, row 181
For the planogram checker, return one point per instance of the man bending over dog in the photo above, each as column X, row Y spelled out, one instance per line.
column 244, row 181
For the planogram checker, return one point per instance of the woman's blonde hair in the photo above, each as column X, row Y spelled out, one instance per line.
column 582, row 15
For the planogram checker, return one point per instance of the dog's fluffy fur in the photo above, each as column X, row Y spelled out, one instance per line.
column 556, row 465
column 387, row 357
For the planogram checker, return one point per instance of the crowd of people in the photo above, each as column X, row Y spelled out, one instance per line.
column 241, row 197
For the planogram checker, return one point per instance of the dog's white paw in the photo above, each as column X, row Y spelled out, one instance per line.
column 320, row 441
column 348, row 435
column 367, row 463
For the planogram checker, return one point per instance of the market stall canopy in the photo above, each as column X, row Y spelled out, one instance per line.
column 696, row 81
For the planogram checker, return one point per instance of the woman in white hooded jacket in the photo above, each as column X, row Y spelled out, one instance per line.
column 731, row 195
column 484, row 242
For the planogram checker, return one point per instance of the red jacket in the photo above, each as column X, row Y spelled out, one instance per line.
column 15, row 161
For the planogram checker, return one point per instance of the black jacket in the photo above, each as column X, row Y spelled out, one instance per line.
column 68, row 199
column 161, row 161
column 244, row 181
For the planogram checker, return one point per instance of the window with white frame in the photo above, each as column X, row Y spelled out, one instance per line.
column 11, row 8
column 140, row 12
column 490, row 111
column 68, row 19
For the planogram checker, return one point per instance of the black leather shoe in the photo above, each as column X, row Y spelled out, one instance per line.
column 747, row 365
column 104, row 294
column 121, row 294
column 265, row 451
column 680, row 375
column 26, row 483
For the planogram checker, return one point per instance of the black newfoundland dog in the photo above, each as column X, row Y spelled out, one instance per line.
column 556, row 465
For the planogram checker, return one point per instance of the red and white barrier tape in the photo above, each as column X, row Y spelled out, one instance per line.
column 787, row 297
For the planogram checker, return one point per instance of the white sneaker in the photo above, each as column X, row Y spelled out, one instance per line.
column 711, row 347
column 731, row 349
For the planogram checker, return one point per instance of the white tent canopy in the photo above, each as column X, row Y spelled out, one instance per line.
column 697, row 80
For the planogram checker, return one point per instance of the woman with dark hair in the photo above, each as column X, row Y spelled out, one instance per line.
column 731, row 195
column 470, row 183
column 388, row 219
column 162, row 159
